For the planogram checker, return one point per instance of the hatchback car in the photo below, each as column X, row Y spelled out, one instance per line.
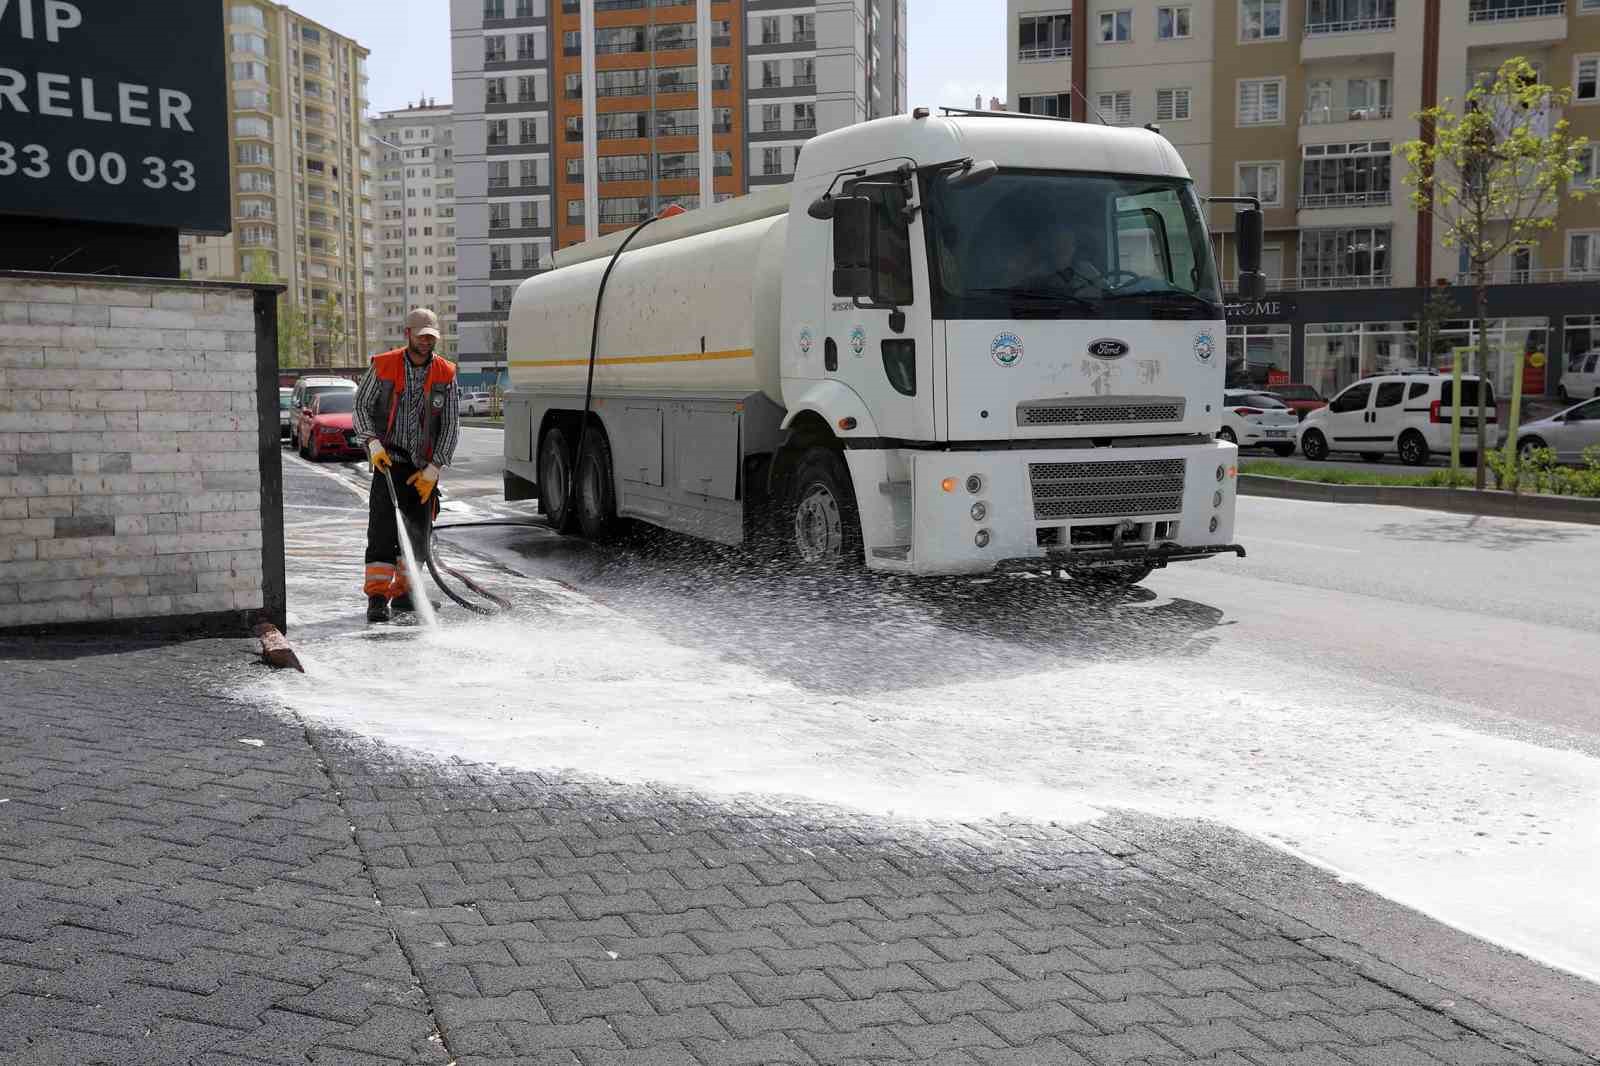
column 1251, row 419
column 285, row 409
column 1301, row 399
column 1567, row 433
column 328, row 429
column 473, row 403
column 306, row 390
column 1397, row 414
column 1582, row 377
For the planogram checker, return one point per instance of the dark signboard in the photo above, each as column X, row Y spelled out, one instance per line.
column 1271, row 309
column 114, row 111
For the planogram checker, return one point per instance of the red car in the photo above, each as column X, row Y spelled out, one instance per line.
column 328, row 429
column 1301, row 399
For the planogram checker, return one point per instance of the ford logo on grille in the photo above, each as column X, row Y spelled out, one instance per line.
column 1108, row 348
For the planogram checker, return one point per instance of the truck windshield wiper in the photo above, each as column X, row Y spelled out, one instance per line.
column 1038, row 296
column 1168, row 296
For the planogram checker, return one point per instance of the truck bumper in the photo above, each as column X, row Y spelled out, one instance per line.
column 974, row 512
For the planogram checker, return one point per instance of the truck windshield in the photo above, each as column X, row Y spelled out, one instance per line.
column 1057, row 244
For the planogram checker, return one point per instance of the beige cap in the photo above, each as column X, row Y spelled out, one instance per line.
column 423, row 322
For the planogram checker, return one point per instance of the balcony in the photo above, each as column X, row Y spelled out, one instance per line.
column 1035, row 55
column 1292, row 284
column 1366, row 25
column 1320, row 200
column 1327, row 116
column 1506, row 10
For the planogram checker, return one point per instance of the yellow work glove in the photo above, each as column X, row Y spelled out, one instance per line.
column 424, row 480
column 377, row 456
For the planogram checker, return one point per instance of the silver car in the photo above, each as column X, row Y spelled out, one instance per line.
column 1567, row 433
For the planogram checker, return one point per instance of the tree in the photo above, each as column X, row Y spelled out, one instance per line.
column 294, row 334
column 331, row 317
column 1492, row 175
column 1438, row 308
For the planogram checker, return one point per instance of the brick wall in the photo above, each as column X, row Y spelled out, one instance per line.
column 130, row 451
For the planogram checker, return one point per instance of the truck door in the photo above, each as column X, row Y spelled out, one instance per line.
column 882, row 346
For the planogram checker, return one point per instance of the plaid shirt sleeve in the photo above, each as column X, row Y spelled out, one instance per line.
column 366, row 394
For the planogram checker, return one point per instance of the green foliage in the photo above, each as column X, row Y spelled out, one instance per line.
column 1538, row 471
column 1336, row 476
column 1494, row 171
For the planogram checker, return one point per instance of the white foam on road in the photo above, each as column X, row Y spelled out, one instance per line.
column 1491, row 834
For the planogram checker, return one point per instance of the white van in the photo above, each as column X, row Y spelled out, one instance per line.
column 1582, row 377
column 1397, row 414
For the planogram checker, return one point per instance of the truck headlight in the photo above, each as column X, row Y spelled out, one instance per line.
column 974, row 484
column 981, row 539
column 980, row 511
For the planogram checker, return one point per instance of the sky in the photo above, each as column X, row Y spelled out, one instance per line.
column 957, row 48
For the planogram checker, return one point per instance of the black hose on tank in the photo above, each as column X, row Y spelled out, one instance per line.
column 594, row 348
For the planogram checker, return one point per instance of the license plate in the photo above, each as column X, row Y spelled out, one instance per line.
column 1277, row 433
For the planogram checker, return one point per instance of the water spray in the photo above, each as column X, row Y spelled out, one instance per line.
column 430, row 552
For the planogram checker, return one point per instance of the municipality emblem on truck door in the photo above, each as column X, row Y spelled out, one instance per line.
column 1205, row 348
column 1006, row 349
column 858, row 341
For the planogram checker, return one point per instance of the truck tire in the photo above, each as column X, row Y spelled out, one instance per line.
column 555, row 479
column 597, row 495
column 822, row 526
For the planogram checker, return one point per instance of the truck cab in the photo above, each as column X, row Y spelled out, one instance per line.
column 1026, row 307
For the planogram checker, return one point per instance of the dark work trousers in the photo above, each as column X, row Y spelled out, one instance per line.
column 383, row 541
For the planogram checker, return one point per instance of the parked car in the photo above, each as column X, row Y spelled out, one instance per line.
column 1301, row 399
column 1567, row 433
column 1400, row 414
column 307, row 390
column 1582, row 377
column 285, row 409
column 328, row 429
column 1252, row 419
column 476, row 402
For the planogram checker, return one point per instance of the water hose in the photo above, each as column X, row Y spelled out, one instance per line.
column 425, row 539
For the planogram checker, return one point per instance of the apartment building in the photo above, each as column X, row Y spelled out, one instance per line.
column 416, row 258
column 578, row 118
column 301, row 177
column 1305, row 104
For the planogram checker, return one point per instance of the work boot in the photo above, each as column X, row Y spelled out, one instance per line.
column 402, row 602
column 377, row 609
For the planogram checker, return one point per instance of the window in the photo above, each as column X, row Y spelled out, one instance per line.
column 770, row 77
column 528, row 131
column 527, row 89
column 1057, row 105
column 1390, row 393
column 258, row 155
column 805, row 71
column 528, row 214
column 494, row 9
column 528, row 172
column 771, row 161
column 499, row 257
column 1349, row 16
column 494, row 49
column 1116, row 26
column 1260, row 102
column 1044, row 37
column 1352, row 399
column 1344, row 257
column 1583, row 252
column 891, row 240
column 1260, row 20
column 771, row 117
column 1172, row 105
column 1116, row 107
column 1264, row 181
column 528, row 47
column 498, row 132
column 499, row 175
column 1368, row 98
column 624, row 167
column 1345, row 175
column 805, row 29
column 252, row 127
column 769, row 30
column 1586, row 80
column 494, row 91
column 1173, row 22
column 248, row 42
column 805, row 116
column 247, row 15
column 499, row 216
column 1588, row 167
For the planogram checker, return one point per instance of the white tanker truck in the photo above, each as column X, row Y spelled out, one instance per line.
column 952, row 345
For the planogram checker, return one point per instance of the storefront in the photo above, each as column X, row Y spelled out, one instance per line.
column 1327, row 339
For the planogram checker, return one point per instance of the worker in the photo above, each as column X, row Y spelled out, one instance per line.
column 406, row 418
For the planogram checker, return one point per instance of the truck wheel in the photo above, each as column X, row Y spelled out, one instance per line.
column 824, row 524
column 597, row 496
column 555, row 479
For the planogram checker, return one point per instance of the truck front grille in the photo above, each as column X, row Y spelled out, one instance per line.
column 1100, row 410
column 1096, row 489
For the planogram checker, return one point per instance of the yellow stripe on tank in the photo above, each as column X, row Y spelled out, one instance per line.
column 636, row 360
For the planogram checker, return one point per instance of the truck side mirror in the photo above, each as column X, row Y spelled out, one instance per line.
column 1249, row 230
column 852, row 246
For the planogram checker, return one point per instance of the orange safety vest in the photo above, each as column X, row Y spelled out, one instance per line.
column 390, row 369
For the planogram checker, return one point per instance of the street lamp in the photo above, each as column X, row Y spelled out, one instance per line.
column 405, row 246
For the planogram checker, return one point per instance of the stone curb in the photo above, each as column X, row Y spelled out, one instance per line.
column 1457, row 501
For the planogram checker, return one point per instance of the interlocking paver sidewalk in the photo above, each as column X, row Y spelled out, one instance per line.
column 184, row 878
